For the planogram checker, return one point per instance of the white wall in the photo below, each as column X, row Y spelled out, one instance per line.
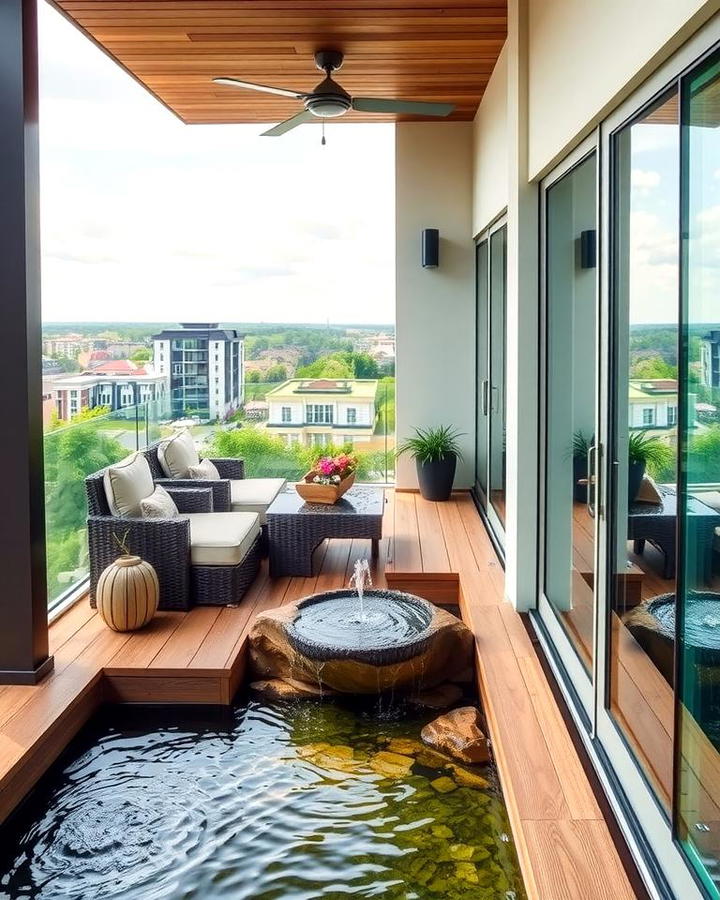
column 490, row 159
column 435, row 316
column 584, row 56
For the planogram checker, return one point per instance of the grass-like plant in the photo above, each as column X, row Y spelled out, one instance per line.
column 580, row 445
column 644, row 448
column 432, row 444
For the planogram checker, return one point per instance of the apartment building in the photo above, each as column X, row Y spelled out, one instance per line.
column 323, row 411
column 117, row 386
column 204, row 365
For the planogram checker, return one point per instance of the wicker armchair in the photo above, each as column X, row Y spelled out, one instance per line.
column 164, row 543
column 229, row 469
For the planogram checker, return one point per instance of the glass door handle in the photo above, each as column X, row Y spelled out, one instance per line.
column 485, row 397
column 494, row 391
column 591, row 455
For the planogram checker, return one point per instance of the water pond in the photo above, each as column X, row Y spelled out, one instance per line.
column 271, row 801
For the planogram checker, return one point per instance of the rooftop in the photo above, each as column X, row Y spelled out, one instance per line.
column 358, row 388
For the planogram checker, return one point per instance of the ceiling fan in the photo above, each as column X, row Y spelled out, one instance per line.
column 328, row 100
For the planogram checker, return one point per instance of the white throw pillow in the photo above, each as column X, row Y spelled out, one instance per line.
column 205, row 471
column 159, row 505
column 177, row 454
column 126, row 484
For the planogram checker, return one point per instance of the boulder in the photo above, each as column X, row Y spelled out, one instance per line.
column 447, row 654
column 458, row 734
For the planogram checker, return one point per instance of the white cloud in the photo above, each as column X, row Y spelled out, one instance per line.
column 147, row 219
column 644, row 180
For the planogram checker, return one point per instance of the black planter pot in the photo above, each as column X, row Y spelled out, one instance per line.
column 636, row 473
column 436, row 478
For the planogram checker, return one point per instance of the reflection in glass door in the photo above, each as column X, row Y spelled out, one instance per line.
column 570, row 360
column 643, row 425
column 483, row 387
column 697, row 791
column 498, row 255
column 491, row 395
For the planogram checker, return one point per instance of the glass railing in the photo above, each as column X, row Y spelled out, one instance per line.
column 77, row 449
column 276, row 449
column 72, row 452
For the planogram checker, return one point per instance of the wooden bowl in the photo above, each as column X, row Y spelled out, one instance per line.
column 323, row 493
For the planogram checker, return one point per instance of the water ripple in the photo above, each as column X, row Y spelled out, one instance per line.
column 240, row 811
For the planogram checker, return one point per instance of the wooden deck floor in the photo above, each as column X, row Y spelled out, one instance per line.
column 564, row 843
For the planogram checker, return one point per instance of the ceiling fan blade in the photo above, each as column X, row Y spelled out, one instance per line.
column 412, row 107
column 289, row 124
column 283, row 92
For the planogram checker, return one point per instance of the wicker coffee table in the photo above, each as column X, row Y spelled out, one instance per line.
column 658, row 524
column 295, row 528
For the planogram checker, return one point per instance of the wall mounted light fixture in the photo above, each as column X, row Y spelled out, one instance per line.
column 588, row 249
column 430, row 248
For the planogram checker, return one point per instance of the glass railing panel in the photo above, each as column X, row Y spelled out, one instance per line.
column 274, row 447
column 72, row 452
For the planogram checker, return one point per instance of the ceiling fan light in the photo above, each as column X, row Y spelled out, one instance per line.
column 328, row 107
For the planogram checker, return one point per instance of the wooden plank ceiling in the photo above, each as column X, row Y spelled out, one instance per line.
column 417, row 50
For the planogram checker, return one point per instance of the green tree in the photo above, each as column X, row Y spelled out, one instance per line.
column 71, row 455
column 325, row 367
column 66, row 363
column 142, row 355
column 252, row 377
column 653, row 367
column 276, row 373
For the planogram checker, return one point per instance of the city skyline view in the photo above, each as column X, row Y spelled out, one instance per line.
column 146, row 219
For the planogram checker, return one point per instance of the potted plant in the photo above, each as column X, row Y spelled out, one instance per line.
column 127, row 591
column 580, row 447
column 436, row 452
column 328, row 479
column 643, row 449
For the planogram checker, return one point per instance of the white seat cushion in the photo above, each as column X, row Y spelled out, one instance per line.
column 177, row 454
column 126, row 484
column 255, row 494
column 221, row 539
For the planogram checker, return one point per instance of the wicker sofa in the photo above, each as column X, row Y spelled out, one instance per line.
column 201, row 557
column 232, row 492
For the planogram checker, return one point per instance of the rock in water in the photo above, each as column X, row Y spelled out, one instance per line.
column 458, row 734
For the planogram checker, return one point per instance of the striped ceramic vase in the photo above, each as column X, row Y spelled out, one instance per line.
column 127, row 593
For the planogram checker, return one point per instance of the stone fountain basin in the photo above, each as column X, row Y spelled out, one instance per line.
column 396, row 626
column 300, row 643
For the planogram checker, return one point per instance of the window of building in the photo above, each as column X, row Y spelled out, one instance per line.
column 352, row 416
column 319, row 414
column 286, row 414
column 648, row 416
column 672, row 415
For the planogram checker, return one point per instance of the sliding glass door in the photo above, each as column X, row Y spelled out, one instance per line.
column 629, row 571
column 642, row 439
column 491, row 256
column 569, row 405
column 697, row 790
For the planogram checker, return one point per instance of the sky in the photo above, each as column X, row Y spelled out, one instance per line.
column 147, row 219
